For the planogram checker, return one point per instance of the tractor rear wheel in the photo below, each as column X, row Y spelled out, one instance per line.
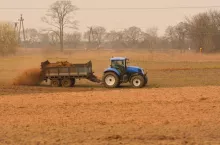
column 66, row 83
column 111, row 80
column 138, row 81
column 145, row 80
column 55, row 83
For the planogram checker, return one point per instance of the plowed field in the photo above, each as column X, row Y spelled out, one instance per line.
column 40, row 115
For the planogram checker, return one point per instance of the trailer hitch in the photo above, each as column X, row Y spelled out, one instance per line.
column 94, row 79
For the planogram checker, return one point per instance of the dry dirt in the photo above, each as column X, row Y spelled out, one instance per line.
column 167, row 111
column 39, row 115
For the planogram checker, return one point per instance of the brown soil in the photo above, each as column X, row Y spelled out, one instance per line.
column 188, row 115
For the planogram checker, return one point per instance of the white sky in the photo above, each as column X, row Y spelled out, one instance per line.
column 111, row 19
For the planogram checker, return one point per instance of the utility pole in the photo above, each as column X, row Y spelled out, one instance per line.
column 90, row 33
column 16, row 26
column 21, row 25
column 16, row 30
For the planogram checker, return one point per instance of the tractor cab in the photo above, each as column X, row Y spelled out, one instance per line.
column 119, row 63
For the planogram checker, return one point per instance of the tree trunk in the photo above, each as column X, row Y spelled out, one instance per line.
column 61, row 39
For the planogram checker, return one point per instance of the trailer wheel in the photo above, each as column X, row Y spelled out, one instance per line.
column 55, row 83
column 137, row 81
column 66, row 83
column 73, row 82
column 111, row 80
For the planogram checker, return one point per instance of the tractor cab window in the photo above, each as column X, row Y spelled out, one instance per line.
column 118, row 63
column 127, row 61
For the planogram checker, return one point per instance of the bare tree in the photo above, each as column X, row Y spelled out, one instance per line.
column 53, row 38
column 32, row 36
column 180, row 31
column 111, row 36
column 72, row 39
column 44, row 38
column 204, row 30
column 152, row 31
column 89, row 36
column 95, row 35
column 99, row 34
column 60, row 16
column 115, row 39
column 8, row 39
column 152, row 36
column 200, row 28
column 171, row 36
column 132, row 35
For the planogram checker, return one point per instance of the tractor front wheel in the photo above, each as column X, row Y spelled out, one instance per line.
column 111, row 80
column 137, row 81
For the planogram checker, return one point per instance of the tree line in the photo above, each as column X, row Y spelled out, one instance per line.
column 199, row 31
column 97, row 37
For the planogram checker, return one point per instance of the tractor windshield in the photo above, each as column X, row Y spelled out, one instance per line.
column 118, row 63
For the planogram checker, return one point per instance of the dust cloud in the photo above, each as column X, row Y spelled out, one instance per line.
column 30, row 77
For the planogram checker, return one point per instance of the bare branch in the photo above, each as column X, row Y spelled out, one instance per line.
column 44, row 19
column 60, row 16
column 50, row 30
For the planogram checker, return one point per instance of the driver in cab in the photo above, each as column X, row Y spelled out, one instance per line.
column 118, row 65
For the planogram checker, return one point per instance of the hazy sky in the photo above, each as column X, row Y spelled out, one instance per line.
column 111, row 19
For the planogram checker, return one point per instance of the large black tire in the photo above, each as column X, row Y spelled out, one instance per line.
column 73, row 82
column 137, row 81
column 55, row 83
column 119, row 84
column 145, row 80
column 66, row 83
column 111, row 80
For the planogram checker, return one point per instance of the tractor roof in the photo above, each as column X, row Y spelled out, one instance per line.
column 118, row 58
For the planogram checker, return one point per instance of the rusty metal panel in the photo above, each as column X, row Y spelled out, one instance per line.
column 63, row 71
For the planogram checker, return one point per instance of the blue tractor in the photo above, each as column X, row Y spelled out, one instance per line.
column 119, row 72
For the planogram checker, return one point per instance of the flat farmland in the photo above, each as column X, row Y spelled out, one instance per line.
column 184, row 115
column 180, row 104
